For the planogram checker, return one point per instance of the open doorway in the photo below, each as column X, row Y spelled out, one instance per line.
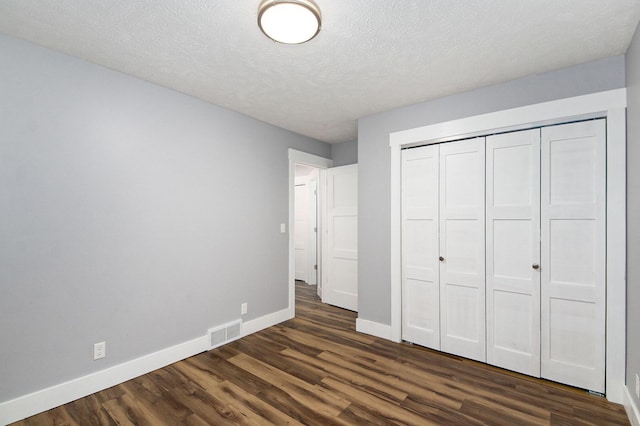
column 305, row 232
column 313, row 167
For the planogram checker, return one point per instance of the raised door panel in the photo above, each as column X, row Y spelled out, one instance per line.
column 462, row 248
column 573, row 282
column 513, row 251
column 420, row 269
column 341, row 279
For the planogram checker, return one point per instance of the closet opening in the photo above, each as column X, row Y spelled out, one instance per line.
column 565, row 193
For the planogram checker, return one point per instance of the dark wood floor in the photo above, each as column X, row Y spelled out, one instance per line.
column 316, row 370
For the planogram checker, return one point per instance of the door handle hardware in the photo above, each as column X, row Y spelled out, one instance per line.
column 535, row 266
column 441, row 259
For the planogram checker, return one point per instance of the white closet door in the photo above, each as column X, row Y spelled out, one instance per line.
column 573, row 254
column 462, row 248
column 513, row 251
column 420, row 265
column 341, row 285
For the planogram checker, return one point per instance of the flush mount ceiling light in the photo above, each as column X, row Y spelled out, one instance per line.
column 289, row 21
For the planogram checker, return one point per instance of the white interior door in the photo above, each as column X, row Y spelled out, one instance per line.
column 312, row 190
column 573, row 254
column 340, row 286
column 420, row 249
column 301, row 230
column 513, row 251
column 462, row 248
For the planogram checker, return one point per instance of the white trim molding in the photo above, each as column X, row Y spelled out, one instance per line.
column 373, row 328
column 631, row 408
column 610, row 104
column 54, row 396
column 263, row 322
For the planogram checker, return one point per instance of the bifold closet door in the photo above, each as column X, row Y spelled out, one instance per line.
column 573, row 254
column 420, row 265
column 462, row 248
column 513, row 251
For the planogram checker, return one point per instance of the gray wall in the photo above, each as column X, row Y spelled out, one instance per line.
column 344, row 153
column 374, row 287
column 633, row 213
column 130, row 214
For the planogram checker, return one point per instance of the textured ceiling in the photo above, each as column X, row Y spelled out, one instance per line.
column 371, row 55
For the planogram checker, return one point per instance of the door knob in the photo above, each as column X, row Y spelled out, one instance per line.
column 536, row 266
column 441, row 259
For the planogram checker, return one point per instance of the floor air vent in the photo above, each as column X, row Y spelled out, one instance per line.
column 224, row 334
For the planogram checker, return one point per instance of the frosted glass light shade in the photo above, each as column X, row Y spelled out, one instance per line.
column 289, row 21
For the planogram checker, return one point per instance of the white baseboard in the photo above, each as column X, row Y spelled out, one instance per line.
column 373, row 328
column 263, row 322
column 54, row 396
column 631, row 408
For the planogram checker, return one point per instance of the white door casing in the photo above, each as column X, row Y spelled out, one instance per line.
column 513, row 251
column 610, row 104
column 321, row 163
column 340, row 286
column 462, row 248
column 420, row 246
column 573, row 248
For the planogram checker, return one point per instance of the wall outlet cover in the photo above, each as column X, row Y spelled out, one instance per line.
column 99, row 350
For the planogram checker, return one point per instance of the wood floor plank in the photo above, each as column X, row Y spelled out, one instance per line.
column 194, row 420
column 159, row 401
column 210, row 407
column 316, row 369
column 386, row 410
column 58, row 417
column 126, row 410
column 199, row 372
column 497, row 416
column 301, row 411
column 388, row 380
column 260, row 411
column 460, row 389
column 348, row 372
column 89, row 411
column 306, row 372
column 310, row 395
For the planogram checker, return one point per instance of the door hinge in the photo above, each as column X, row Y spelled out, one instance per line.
column 315, row 229
column 315, row 267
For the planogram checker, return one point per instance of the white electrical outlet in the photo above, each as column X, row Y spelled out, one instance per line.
column 99, row 350
column 243, row 308
column 637, row 387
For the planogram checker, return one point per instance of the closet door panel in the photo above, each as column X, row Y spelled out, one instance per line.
column 513, row 250
column 420, row 268
column 573, row 254
column 462, row 247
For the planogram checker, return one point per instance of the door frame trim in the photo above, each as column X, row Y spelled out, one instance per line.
column 299, row 157
column 609, row 104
